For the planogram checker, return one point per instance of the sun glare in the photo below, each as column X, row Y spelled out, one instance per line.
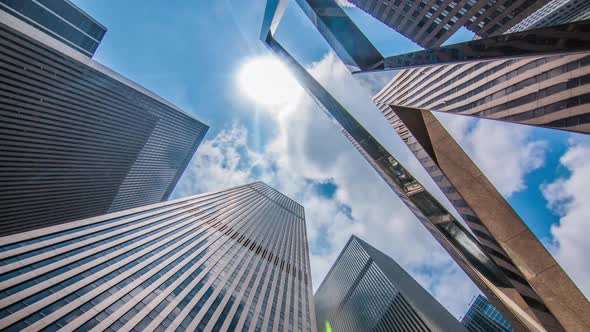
column 268, row 82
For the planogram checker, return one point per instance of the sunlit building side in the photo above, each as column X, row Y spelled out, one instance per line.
column 234, row 260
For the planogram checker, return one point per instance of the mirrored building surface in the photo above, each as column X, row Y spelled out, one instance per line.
column 365, row 290
column 482, row 316
column 78, row 140
column 234, row 260
column 60, row 19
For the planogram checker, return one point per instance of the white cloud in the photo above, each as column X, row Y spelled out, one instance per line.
column 568, row 196
column 308, row 150
column 503, row 151
column 345, row 3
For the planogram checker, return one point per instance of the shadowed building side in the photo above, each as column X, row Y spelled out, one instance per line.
column 365, row 290
column 78, row 140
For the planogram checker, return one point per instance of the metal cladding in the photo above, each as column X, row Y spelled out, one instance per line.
column 60, row 19
column 230, row 260
column 76, row 139
column 430, row 24
column 367, row 291
column 482, row 316
column 551, row 92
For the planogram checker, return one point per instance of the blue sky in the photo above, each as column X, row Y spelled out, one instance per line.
column 190, row 52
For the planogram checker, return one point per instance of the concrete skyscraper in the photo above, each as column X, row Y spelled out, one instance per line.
column 552, row 92
column 431, row 23
column 227, row 261
column 365, row 290
column 60, row 19
column 482, row 316
column 76, row 139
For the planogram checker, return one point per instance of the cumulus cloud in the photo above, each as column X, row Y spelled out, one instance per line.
column 504, row 152
column 307, row 150
column 568, row 196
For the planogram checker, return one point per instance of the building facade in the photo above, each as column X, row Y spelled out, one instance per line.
column 77, row 139
column 227, row 261
column 482, row 316
column 60, row 19
column 554, row 13
column 552, row 92
column 365, row 290
column 431, row 23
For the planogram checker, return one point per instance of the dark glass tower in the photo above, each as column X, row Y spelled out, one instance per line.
column 365, row 290
column 78, row 140
column 60, row 19
column 227, row 261
column 482, row 316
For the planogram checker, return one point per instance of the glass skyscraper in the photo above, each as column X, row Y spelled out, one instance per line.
column 365, row 290
column 482, row 316
column 231, row 260
column 60, row 19
column 78, row 140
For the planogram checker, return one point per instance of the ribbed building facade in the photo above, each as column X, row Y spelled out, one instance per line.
column 60, row 19
column 482, row 316
column 551, row 92
column 234, row 260
column 78, row 140
column 431, row 23
column 365, row 290
column 554, row 13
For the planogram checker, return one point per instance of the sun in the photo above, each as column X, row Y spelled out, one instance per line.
column 268, row 82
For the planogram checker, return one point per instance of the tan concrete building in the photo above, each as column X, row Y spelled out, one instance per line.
column 551, row 92
column 232, row 260
column 543, row 289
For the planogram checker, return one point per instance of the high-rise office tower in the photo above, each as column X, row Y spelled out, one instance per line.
column 431, row 23
column 554, row 13
column 78, row 140
column 551, row 92
column 365, row 290
column 482, row 316
column 60, row 19
column 227, row 261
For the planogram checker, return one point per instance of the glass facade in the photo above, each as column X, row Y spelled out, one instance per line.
column 224, row 261
column 482, row 316
column 367, row 291
column 79, row 140
column 60, row 19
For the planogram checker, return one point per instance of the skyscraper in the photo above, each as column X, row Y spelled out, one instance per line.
column 365, row 290
column 230, row 260
column 78, row 140
column 60, row 19
column 482, row 316
column 551, row 92
column 554, row 13
column 431, row 23
column 536, row 299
